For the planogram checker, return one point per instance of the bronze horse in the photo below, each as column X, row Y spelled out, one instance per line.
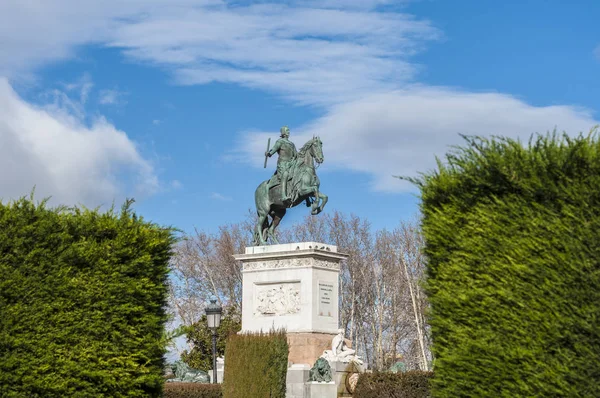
column 304, row 187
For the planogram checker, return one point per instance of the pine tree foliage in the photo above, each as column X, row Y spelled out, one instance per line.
column 199, row 334
column 82, row 302
column 512, row 234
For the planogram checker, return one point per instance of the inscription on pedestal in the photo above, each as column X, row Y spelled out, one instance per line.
column 326, row 295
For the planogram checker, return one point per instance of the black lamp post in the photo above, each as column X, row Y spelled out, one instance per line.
column 213, row 317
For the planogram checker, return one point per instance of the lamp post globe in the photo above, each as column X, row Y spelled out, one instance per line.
column 213, row 318
column 213, row 314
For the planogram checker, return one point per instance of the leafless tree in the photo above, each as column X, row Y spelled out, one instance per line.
column 203, row 267
column 408, row 242
column 382, row 304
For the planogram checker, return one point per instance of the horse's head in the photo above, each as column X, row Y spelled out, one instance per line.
column 316, row 150
column 313, row 149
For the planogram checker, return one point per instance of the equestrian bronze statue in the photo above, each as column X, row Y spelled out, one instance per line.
column 295, row 181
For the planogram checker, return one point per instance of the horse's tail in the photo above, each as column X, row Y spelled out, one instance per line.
column 261, row 197
column 263, row 205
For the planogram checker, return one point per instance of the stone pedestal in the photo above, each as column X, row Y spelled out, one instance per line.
column 296, row 378
column 316, row 389
column 307, row 347
column 299, row 387
column 341, row 371
column 294, row 286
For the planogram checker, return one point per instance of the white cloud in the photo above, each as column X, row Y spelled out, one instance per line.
column 348, row 4
column 51, row 149
column 83, row 85
column 311, row 52
column 112, row 97
column 348, row 57
column 176, row 184
column 597, row 52
column 34, row 33
column 401, row 132
column 311, row 55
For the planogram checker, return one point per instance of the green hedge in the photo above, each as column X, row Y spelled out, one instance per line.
column 192, row 390
column 512, row 236
column 411, row 384
column 82, row 302
column 256, row 365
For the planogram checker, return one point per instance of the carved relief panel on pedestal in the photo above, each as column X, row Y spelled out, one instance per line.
column 277, row 299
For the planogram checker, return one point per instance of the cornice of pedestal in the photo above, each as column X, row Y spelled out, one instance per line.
column 291, row 251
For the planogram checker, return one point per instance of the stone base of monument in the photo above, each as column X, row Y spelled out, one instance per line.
column 305, row 348
column 295, row 286
column 316, row 389
column 299, row 387
column 296, row 378
column 341, row 371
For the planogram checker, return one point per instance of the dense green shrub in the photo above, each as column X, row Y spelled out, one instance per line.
column 82, row 302
column 512, row 236
column 256, row 365
column 411, row 384
column 200, row 357
column 192, row 390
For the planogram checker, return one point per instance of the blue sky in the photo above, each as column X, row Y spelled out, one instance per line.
column 172, row 101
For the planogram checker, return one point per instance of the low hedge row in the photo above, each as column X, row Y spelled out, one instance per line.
column 256, row 365
column 411, row 384
column 192, row 390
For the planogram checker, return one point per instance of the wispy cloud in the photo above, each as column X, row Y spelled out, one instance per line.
column 312, row 52
column 597, row 52
column 218, row 196
column 176, row 184
column 311, row 55
column 400, row 132
column 112, row 97
column 83, row 85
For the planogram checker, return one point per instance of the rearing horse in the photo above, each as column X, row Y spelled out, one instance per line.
column 304, row 186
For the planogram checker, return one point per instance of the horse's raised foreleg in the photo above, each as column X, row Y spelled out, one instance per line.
column 315, row 206
column 319, row 203
column 324, row 199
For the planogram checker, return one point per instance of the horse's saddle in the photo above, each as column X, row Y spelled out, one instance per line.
column 294, row 180
column 276, row 181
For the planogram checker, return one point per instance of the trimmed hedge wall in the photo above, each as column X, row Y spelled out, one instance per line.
column 256, row 365
column 82, row 302
column 512, row 237
column 192, row 390
column 411, row 384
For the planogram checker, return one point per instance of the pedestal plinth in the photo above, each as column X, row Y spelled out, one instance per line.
column 293, row 286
